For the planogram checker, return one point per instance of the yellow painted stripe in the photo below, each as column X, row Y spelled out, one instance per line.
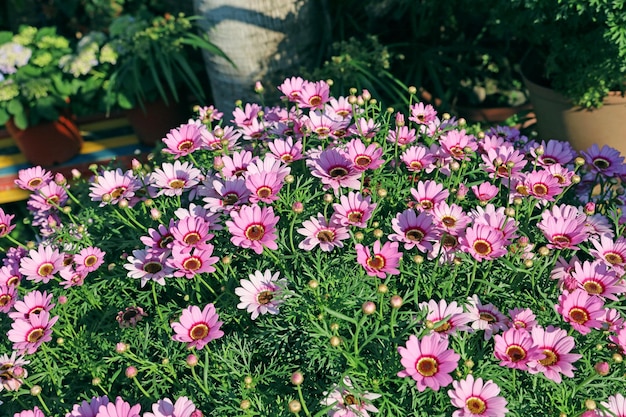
column 8, row 160
column 91, row 146
column 104, row 124
column 6, row 142
column 10, row 196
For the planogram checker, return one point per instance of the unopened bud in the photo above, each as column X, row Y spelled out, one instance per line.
column 35, row 391
column 297, row 378
column 602, row 368
column 369, row 307
column 131, row 372
column 295, row 406
column 396, row 301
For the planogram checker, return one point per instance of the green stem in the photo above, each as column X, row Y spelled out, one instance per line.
column 356, row 334
column 304, row 408
column 143, row 391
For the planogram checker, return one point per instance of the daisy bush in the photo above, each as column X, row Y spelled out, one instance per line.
column 328, row 256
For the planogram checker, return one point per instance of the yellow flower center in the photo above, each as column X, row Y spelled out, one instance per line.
column 426, row 366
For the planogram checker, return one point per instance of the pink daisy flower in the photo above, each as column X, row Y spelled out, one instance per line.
column 562, row 174
column 263, row 186
column 262, row 293
column 286, row 150
column 191, row 231
column 113, row 186
column 496, row 219
column 522, row 318
column 35, row 412
column 515, row 349
column 320, row 232
column 456, row 144
column 183, row 140
column 422, row 113
column 483, row 242
column 40, row 265
column 476, row 398
column 554, row 152
column 485, row 191
column 581, row 310
column 237, row 164
column 402, row 135
column 607, row 161
column 88, row 408
column 347, row 402
column 89, row 259
column 34, row 302
column 447, row 317
column 562, row 272
column 620, row 339
column 119, row 408
column 159, row 240
column 268, row 165
column 71, row 277
column 555, row 345
column 227, row 194
column 220, row 138
column 595, row 278
column 611, row 320
column 33, row 178
column 314, row 95
column 292, row 88
column 335, row 170
column 418, row 158
column 253, row 227
column 209, row 114
column 148, row 266
column 364, row 127
column 5, row 223
column 611, row 252
column 10, row 276
column 49, row 197
column 339, row 107
column 503, row 162
column 197, row 327
column 183, row 407
column 542, row 185
column 615, row 406
column 450, row 218
column 13, row 371
column 189, row 261
column 428, row 361
column 562, row 232
column 381, row 261
column 8, row 297
column 485, row 317
column 172, row 179
column 414, row 230
column 428, row 194
column 28, row 335
column 364, row 157
column 353, row 210
column 324, row 126
column 247, row 115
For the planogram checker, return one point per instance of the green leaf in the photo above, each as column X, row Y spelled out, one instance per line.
column 15, row 107
column 124, row 102
column 21, row 121
column 4, row 116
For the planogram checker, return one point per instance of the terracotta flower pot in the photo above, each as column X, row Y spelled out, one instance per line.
column 494, row 114
column 48, row 144
column 155, row 120
column 558, row 118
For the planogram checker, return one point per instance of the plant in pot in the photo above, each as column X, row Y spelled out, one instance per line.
column 38, row 82
column 156, row 70
column 574, row 68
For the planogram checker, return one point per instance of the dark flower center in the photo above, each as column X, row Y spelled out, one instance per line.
column 482, row 247
column 579, row 315
column 601, row 163
column 355, row 216
column 255, row 232
column 488, row 317
column 35, row 182
column 34, row 335
column 45, row 269
column 264, row 192
column 325, row 236
column 550, row 359
column 376, row 262
column 117, row 192
column 185, row 145
column 338, row 172
column 540, row 189
column 448, row 221
column 613, row 258
column 177, row 184
column 350, row 400
column 191, row 238
column 415, row 235
column 516, row 353
column 443, row 328
column 362, row 160
column 426, row 366
column 91, row 260
column 5, row 299
column 475, row 405
column 192, row 264
column 153, row 267
column 198, row 331
column 265, row 297
column 593, row 287
column 230, row 199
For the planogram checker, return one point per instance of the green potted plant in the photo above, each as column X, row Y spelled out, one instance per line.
column 39, row 79
column 155, row 63
column 574, row 68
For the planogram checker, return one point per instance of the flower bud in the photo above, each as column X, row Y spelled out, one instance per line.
column 328, row 198
column 383, row 289
column 412, row 90
column 295, row 406
column 313, row 284
column 96, row 381
column 617, row 358
column 368, row 308
column 35, row 391
column 579, row 161
column 76, row 174
column 335, row 341
column 455, row 166
column 590, row 404
column 359, row 236
column 258, row 87
column 191, row 360
column 575, row 179
column 155, row 213
column 528, row 263
column 469, row 364
column 248, row 380
column 131, row 372
column 382, row 193
column 297, row 207
column 396, row 301
column 418, row 259
column 543, row 251
column 378, row 233
column 602, row 368
column 121, row 347
column 60, row 341
column 245, row 404
column 297, row 378
column 62, row 299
